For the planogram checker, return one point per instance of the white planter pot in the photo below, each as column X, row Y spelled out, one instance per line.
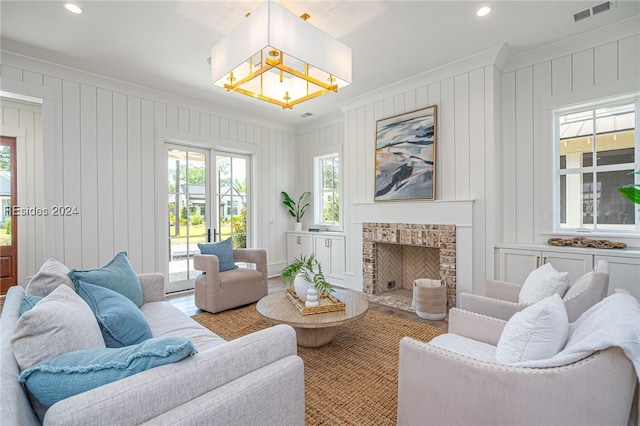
column 297, row 226
column 301, row 286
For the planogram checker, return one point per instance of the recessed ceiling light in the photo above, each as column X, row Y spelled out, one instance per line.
column 73, row 8
column 483, row 11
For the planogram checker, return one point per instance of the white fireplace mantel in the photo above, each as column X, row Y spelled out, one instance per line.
column 443, row 212
column 454, row 212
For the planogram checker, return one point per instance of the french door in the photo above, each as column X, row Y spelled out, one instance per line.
column 232, row 197
column 189, row 212
column 8, row 222
column 198, row 180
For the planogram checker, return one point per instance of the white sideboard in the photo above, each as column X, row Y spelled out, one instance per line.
column 328, row 247
column 514, row 262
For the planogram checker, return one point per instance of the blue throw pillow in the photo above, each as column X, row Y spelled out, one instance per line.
column 224, row 251
column 120, row 321
column 117, row 275
column 28, row 302
column 75, row 372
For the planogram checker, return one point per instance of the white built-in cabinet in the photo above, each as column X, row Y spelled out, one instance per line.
column 515, row 262
column 298, row 244
column 328, row 247
column 329, row 251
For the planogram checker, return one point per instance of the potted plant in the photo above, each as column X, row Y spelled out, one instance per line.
column 296, row 209
column 304, row 273
column 631, row 191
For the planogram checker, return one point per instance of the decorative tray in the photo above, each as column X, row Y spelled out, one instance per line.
column 328, row 303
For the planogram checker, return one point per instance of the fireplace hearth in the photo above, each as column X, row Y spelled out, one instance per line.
column 394, row 254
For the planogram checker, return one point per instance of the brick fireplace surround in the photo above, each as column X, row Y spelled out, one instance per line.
column 441, row 237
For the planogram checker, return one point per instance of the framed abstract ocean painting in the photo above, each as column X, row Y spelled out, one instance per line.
column 406, row 156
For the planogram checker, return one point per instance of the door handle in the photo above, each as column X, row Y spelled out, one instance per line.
column 537, row 262
column 298, row 240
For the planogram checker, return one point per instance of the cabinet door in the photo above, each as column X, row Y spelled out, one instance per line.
column 298, row 245
column 575, row 264
column 329, row 251
column 624, row 272
column 515, row 265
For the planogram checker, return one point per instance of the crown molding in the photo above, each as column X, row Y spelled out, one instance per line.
column 595, row 38
column 22, row 62
column 495, row 55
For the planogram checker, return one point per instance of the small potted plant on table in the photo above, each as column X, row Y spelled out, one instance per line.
column 307, row 278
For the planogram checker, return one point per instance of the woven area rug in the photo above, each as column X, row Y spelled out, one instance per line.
column 351, row 381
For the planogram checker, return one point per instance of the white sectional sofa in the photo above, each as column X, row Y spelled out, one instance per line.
column 256, row 379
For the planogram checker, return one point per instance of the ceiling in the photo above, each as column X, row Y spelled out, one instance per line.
column 164, row 45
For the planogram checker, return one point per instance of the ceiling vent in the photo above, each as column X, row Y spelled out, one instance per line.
column 593, row 11
column 583, row 14
column 306, row 114
column 602, row 7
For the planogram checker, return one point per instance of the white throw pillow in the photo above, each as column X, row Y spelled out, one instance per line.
column 52, row 273
column 539, row 331
column 543, row 282
column 61, row 322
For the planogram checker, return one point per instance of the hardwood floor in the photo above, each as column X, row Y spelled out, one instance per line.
column 184, row 301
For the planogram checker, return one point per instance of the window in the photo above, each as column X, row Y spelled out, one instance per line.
column 327, row 193
column 597, row 152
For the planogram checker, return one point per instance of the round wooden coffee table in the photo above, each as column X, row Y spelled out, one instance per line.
column 313, row 330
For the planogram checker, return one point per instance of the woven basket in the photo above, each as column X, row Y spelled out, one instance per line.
column 430, row 302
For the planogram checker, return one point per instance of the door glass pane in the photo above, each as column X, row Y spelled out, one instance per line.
column 5, row 195
column 231, row 195
column 186, row 188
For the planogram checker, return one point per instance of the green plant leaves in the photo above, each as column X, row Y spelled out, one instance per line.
column 630, row 192
column 288, row 201
column 311, row 270
column 295, row 209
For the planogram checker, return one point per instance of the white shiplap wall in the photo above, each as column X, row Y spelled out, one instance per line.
column 329, row 138
column 99, row 151
column 494, row 139
column 464, row 148
column 464, row 94
column 597, row 66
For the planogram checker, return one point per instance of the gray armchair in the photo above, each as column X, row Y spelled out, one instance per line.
column 218, row 291
column 438, row 386
column 501, row 298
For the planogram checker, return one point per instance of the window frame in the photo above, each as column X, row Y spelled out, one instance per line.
column 318, row 187
column 595, row 169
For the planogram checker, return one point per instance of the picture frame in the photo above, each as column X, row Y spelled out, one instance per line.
column 405, row 167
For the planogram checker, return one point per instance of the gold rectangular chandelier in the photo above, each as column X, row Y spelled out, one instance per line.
column 276, row 56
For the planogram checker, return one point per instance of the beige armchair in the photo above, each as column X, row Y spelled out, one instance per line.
column 218, row 291
column 501, row 298
column 438, row 386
